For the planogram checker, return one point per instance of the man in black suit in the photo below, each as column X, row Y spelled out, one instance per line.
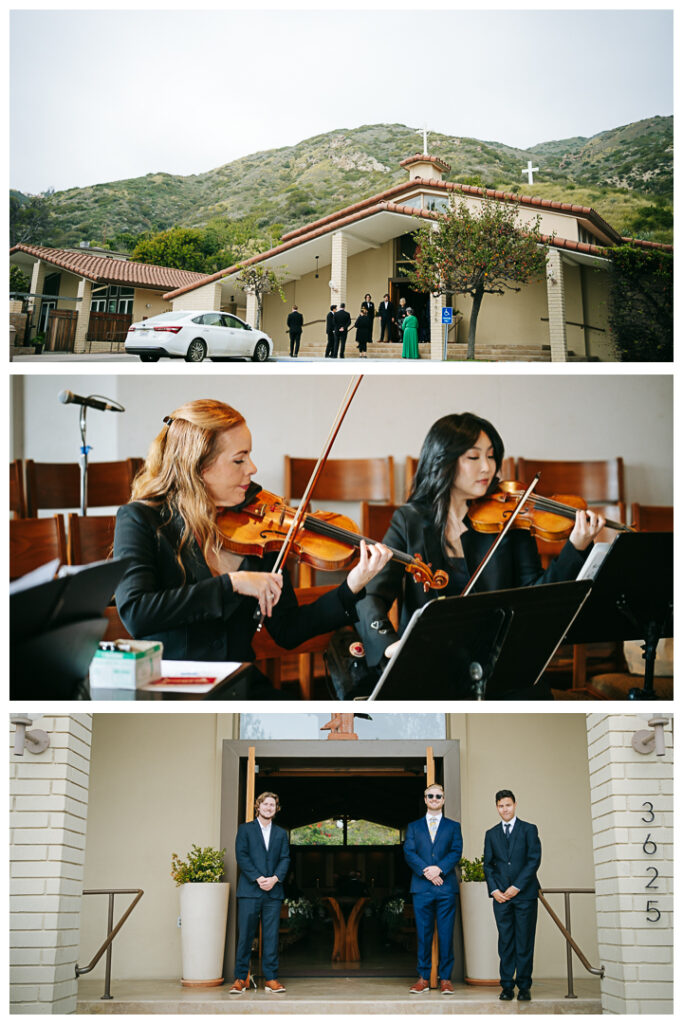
column 329, row 327
column 342, row 319
column 262, row 853
column 386, row 316
column 512, row 855
column 295, row 324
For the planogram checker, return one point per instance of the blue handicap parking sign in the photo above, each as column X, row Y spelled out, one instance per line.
column 447, row 315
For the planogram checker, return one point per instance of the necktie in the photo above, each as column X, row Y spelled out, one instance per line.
column 506, row 829
column 433, row 825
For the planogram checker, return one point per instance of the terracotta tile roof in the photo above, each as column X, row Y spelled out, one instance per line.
column 648, row 245
column 383, row 202
column 421, row 158
column 109, row 270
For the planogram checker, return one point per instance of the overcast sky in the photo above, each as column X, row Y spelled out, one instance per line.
column 185, row 92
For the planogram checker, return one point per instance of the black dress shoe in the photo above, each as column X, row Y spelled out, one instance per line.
column 507, row 994
column 524, row 995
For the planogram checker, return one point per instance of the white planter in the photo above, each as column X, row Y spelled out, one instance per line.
column 203, row 922
column 480, row 935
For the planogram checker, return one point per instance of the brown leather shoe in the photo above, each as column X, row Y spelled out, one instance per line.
column 420, row 986
column 274, row 986
column 446, row 987
column 238, row 986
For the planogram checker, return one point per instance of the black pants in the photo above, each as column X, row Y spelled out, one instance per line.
column 340, row 344
column 294, row 339
column 330, row 349
column 386, row 326
column 516, row 922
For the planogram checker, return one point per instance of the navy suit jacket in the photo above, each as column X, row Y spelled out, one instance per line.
column 254, row 860
column 514, row 866
column 420, row 852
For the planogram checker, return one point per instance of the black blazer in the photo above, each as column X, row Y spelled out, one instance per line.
column 329, row 323
column 363, row 327
column 516, row 563
column 370, row 306
column 295, row 321
column 515, row 864
column 385, row 311
column 254, row 860
column 201, row 617
column 342, row 319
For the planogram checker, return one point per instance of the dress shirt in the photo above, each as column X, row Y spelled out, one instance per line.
column 265, row 832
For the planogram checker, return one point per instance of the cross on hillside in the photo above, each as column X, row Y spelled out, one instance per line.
column 530, row 171
column 423, row 133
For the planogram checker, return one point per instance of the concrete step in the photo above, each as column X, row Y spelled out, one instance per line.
column 337, row 995
column 484, row 353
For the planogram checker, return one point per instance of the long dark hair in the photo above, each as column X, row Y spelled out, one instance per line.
column 448, row 439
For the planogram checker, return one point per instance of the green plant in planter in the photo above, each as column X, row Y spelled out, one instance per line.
column 472, row 870
column 39, row 340
column 201, row 865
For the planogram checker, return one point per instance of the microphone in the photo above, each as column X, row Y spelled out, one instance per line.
column 91, row 402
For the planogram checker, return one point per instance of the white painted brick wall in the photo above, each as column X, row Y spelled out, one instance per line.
column 206, row 297
column 637, row 955
column 340, row 251
column 557, row 328
column 48, row 809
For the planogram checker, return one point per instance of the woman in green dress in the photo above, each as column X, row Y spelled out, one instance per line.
column 410, row 349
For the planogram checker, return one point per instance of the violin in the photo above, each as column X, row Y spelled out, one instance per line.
column 545, row 518
column 324, row 540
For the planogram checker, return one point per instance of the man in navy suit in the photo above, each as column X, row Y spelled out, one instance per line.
column 512, row 855
column 432, row 849
column 262, row 853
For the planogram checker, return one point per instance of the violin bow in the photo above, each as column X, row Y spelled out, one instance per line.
column 351, row 390
column 485, row 561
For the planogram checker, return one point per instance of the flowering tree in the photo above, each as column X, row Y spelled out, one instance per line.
column 260, row 281
column 475, row 253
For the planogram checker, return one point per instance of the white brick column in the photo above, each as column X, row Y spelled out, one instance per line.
column 436, row 328
column 340, row 252
column 37, row 284
column 48, row 808
column 83, row 310
column 557, row 328
column 252, row 309
column 632, row 812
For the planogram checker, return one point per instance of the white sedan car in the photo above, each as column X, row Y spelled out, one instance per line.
column 194, row 335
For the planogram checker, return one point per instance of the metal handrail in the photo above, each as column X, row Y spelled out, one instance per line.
column 113, row 932
column 566, row 932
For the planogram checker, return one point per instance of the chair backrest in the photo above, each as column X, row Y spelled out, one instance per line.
column 17, row 498
column 375, row 519
column 52, row 485
column 33, row 542
column 598, row 482
column 342, row 479
column 90, row 538
column 652, row 518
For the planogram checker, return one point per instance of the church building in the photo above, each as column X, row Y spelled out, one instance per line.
column 365, row 248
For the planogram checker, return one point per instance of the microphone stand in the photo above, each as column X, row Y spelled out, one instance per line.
column 83, row 461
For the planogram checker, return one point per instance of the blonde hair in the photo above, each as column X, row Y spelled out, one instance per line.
column 264, row 796
column 172, row 472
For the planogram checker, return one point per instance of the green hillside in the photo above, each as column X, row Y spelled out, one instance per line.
column 625, row 173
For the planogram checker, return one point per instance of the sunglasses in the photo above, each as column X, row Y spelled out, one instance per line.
column 434, row 796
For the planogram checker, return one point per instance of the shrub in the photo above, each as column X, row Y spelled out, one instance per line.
column 201, row 865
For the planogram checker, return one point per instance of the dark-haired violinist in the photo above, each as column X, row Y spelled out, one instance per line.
column 183, row 586
column 459, row 463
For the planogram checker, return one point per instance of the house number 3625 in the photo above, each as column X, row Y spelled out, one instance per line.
column 652, row 914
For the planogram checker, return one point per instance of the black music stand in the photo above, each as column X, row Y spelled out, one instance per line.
column 631, row 599
column 55, row 628
column 481, row 647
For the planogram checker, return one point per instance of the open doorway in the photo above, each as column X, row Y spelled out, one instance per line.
column 348, row 908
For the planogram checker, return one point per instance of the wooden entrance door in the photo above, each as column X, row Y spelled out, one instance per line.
column 61, row 330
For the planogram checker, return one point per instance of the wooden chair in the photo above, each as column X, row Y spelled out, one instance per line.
column 598, row 482
column 374, row 523
column 616, row 512
column 342, row 479
column 33, row 542
column 90, row 538
column 17, row 498
column 652, row 518
column 268, row 654
column 51, row 485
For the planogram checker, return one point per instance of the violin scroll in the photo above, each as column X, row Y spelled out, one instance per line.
column 422, row 573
